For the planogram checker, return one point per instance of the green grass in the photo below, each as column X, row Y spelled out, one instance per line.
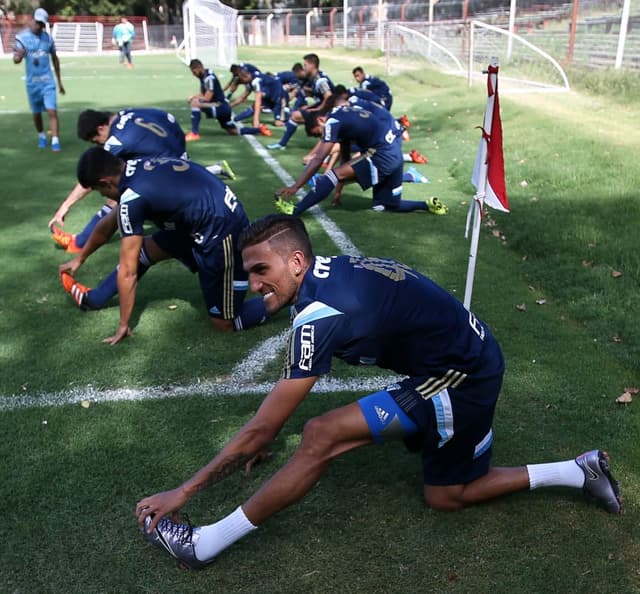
column 71, row 475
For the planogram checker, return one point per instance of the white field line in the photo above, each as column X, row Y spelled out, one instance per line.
column 240, row 381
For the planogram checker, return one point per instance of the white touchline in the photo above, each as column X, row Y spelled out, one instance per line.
column 240, row 380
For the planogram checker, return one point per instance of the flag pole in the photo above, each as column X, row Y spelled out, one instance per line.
column 480, row 181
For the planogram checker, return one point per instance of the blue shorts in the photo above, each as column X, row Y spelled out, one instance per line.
column 387, row 187
column 223, row 281
column 42, row 97
column 221, row 112
column 455, row 425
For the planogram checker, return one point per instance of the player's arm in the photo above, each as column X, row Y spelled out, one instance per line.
column 130, row 247
column 77, row 194
column 100, row 235
column 243, row 97
column 321, row 106
column 19, row 51
column 257, row 108
column 324, row 148
column 258, row 433
column 56, row 68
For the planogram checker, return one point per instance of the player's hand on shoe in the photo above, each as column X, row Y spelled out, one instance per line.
column 72, row 266
column 122, row 332
column 286, row 192
column 160, row 505
column 57, row 219
column 259, row 458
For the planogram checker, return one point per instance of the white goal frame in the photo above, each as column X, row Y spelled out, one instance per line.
column 210, row 33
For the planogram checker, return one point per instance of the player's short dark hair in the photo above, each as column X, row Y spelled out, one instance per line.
column 284, row 233
column 89, row 120
column 195, row 63
column 96, row 163
column 311, row 120
column 357, row 69
column 313, row 59
column 297, row 67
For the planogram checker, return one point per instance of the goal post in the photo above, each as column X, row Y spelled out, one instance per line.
column 210, row 32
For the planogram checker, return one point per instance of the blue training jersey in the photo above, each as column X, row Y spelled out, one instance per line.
column 270, row 86
column 376, row 311
column 38, row 50
column 376, row 86
column 320, row 84
column 181, row 196
column 145, row 132
column 373, row 128
column 210, row 82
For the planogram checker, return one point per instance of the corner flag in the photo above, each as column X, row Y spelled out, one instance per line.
column 488, row 173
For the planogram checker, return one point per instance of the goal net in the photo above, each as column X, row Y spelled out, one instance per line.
column 467, row 48
column 210, row 32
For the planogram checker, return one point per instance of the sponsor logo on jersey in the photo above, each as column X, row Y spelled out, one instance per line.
column 307, row 346
column 125, row 222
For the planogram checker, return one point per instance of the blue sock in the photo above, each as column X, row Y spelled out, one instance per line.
column 408, row 206
column 253, row 312
column 325, row 184
column 243, row 115
column 81, row 238
column 99, row 297
column 289, row 130
column 195, row 121
column 249, row 130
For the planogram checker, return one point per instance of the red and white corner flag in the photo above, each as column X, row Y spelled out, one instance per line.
column 488, row 174
column 488, row 171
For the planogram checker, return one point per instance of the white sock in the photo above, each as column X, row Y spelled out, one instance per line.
column 54, row 139
column 217, row 537
column 41, row 135
column 215, row 169
column 556, row 474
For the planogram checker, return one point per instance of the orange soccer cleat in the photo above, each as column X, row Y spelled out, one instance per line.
column 404, row 121
column 264, row 130
column 416, row 157
column 191, row 136
column 60, row 237
column 76, row 291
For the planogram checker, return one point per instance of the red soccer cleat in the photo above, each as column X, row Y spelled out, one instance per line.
column 190, row 136
column 404, row 121
column 73, row 247
column 264, row 130
column 416, row 157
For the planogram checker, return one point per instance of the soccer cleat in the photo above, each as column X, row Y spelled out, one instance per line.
column 42, row 142
column 55, row 146
column 598, row 482
column 416, row 157
column 264, row 130
column 404, row 121
column 77, row 291
column 284, row 207
column 413, row 175
column 60, row 237
column 226, row 170
column 176, row 539
column 191, row 136
column 276, row 147
column 73, row 247
column 436, row 207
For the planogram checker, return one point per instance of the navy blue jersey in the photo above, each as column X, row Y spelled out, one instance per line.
column 376, row 86
column 209, row 82
column 373, row 128
column 250, row 68
column 288, row 77
column 375, row 311
column 136, row 133
column 320, row 84
column 180, row 196
column 270, row 86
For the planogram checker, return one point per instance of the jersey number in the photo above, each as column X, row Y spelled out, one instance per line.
column 157, row 129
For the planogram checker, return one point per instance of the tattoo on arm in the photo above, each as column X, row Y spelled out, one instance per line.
column 226, row 468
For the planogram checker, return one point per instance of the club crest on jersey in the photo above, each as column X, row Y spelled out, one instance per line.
column 307, row 346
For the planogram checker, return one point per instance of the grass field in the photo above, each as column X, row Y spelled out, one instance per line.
column 163, row 402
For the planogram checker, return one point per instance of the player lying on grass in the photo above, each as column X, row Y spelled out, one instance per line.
column 199, row 220
column 370, row 311
column 131, row 133
column 379, row 165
